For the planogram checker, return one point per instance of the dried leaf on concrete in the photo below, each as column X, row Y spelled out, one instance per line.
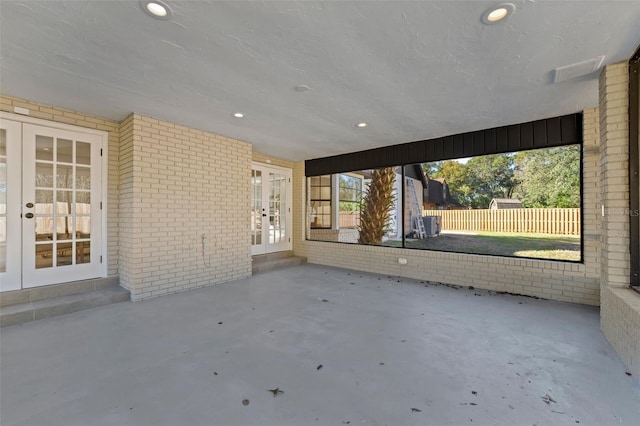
column 276, row 391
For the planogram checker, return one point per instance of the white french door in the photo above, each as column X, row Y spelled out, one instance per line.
column 271, row 209
column 50, row 206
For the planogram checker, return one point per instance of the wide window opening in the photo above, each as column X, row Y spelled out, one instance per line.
column 516, row 204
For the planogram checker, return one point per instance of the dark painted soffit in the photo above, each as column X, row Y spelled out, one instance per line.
column 545, row 133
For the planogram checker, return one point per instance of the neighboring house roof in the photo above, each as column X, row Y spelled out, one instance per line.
column 505, row 203
column 438, row 193
column 415, row 171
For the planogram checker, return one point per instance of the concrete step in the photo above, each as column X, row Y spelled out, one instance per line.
column 44, row 308
column 272, row 256
column 17, row 297
column 268, row 262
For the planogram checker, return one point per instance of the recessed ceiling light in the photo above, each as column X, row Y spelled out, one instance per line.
column 238, row 115
column 495, row 14
column 363, row 124
column 156, row 9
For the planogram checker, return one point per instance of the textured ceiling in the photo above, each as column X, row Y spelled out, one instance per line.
column 412, row 70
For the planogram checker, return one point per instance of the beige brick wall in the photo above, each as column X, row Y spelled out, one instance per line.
column 128, row 225
column 571, row 282
column 614, row 173
column 168, row 185
column 591, row 192
column 178, row 184
column 51, row 113
column 620, row 324
column 620, row 306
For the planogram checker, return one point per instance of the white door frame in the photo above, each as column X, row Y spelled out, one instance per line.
column 266, row 247
column 11, row 279
column 103, row 137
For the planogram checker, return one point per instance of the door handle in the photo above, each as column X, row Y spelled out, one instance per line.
column 264, row 215
column 29, row 215
column 29, row 205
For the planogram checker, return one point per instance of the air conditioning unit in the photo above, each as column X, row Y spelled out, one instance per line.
column 432, row 225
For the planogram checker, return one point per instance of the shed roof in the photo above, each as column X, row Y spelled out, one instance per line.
column 506, row 203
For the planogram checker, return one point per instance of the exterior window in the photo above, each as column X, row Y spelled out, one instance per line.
column 320, row 202
column 350, row 197
column 515, row 204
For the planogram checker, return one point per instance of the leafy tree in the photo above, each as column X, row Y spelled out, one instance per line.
column 433, row 168
column 491, row 176
column 457, row 176
column 349, row 193
column 539, row 178
column 481, row 179
column 549, row 177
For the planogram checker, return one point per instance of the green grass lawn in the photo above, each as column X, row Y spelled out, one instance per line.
column 541, row 246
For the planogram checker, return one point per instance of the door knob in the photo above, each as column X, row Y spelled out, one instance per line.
column 29, row 215
column 30, row 205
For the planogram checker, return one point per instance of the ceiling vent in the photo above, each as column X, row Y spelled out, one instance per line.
column 578, row 69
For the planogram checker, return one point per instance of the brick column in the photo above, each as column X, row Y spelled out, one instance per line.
column 614, row 170
column 619, row 305
column 178, row 185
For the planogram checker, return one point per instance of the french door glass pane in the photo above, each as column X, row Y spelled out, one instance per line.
column 256, row 211
column 64, row 254
column 64, row 228
column 44, row 148
column 64, row 151
column 64, row 176
column 277, row 207
column 3, row 200
column 63, row 202
column 44, row 201
column 44, row 175
column 44, row 256
column 83, row 226
column 83, row 153
column 44, row 228
column 83, row 251
column 83, row 178
column 3, row 257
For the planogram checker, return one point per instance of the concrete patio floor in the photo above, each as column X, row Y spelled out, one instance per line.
column 345, row 347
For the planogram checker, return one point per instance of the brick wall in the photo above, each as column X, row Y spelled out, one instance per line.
column 168, row 185
column 127, row 249
column 178, row 184
column 620, row 306
column 51, row 113
column 569, row 282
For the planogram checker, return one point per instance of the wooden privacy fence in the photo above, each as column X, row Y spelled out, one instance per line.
column 544, row 221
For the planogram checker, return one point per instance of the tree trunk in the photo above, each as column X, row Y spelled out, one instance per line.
column 377, row 206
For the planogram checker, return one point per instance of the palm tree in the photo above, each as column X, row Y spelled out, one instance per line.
column 375, row 216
